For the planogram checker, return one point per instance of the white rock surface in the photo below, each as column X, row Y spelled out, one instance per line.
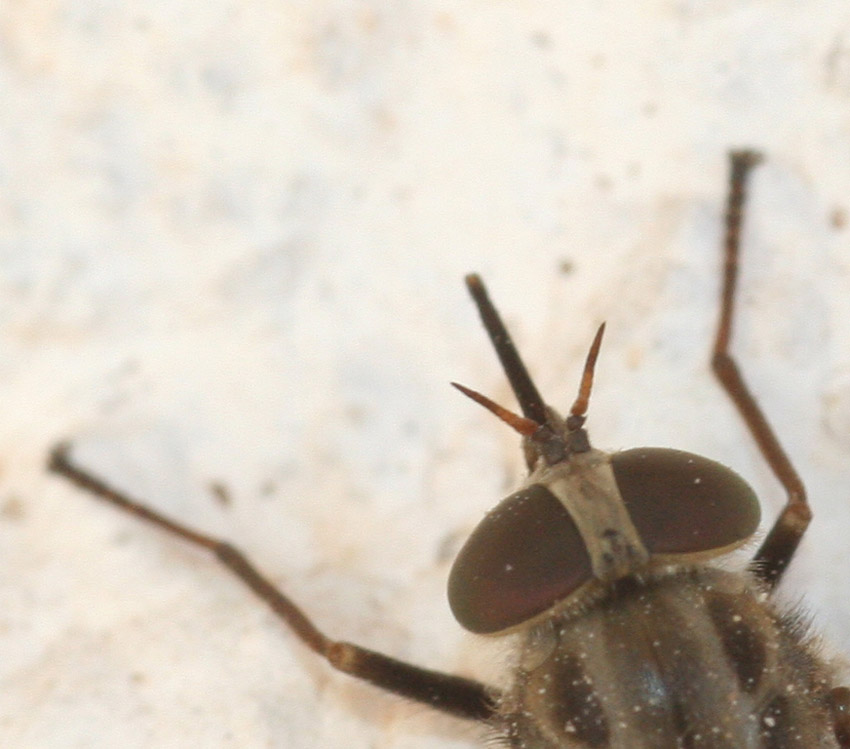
column 232, row 238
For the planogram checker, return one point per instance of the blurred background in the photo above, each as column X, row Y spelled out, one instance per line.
column 232, row 243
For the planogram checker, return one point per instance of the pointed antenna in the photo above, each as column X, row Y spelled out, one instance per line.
column 526, row 427
column 579, row 408
column 530, row 402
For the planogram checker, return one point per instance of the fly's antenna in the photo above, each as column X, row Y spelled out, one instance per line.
column 578, row 412
column 530, row 402
column 526, row 427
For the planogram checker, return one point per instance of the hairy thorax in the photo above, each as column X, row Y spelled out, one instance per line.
column 697, row 659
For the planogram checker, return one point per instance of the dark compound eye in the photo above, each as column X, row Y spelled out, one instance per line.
column 524, row 556
column 682, row 503
column 527, row 554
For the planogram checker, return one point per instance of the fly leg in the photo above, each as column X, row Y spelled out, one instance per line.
column 464, row 698
column 778, row 548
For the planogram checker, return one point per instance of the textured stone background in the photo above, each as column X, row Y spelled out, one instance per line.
column 232, row 238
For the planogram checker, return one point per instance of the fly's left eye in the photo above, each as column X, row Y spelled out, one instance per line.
column 682, row 503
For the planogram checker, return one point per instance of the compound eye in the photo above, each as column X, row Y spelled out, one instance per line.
column 682, row 503
column 524, row 556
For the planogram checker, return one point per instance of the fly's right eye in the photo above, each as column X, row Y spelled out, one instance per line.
column 682, row 503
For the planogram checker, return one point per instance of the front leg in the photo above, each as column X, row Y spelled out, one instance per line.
column 458, row 696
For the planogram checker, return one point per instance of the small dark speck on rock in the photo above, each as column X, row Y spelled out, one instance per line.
column 12, row 508
column 221, row 493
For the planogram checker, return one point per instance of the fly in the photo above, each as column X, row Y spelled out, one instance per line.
column 601, row 563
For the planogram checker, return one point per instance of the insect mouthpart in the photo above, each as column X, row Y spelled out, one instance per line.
column 547, row 435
